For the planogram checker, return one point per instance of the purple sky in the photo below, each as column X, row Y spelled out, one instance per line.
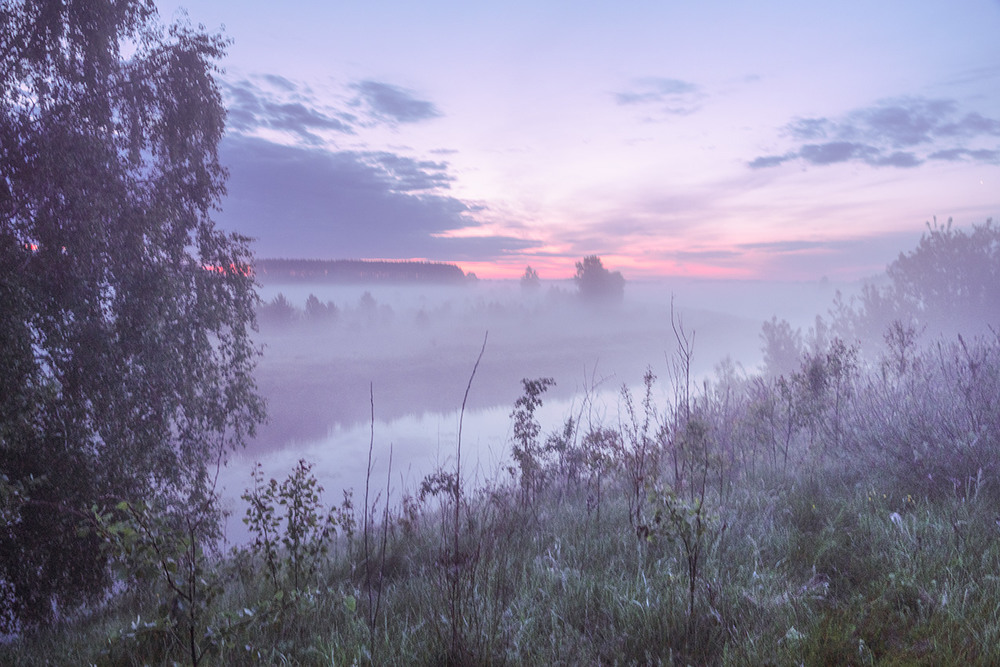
column 782, row 140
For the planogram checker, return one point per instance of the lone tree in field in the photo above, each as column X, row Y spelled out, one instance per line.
column 126, row 364
column 530, row 282
column 596, row 283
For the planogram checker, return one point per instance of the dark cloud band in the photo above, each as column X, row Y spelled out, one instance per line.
column 310, row 203
column 903, row 133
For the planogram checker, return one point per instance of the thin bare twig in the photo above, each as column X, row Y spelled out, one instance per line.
column 368, row 478
column 455, row 610
column 458, row 455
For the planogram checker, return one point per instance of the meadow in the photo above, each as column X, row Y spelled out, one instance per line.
column 834, row 503
column 843, row 512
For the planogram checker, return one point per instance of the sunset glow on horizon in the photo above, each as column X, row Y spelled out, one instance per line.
column 782, row 140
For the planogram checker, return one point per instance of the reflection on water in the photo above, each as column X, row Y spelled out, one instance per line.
column 414, row 346
column 420, row 444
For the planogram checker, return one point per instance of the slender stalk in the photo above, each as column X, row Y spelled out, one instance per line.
column 455, row 607
column 458, row 454
column 368, row 478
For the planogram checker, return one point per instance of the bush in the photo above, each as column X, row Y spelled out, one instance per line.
column 278, row 311
column 596, row 284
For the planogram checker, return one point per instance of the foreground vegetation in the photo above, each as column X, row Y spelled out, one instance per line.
column 843, row 513
column 835, row 510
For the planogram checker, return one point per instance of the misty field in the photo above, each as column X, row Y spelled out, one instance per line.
column 402, row 353
column 833, row 504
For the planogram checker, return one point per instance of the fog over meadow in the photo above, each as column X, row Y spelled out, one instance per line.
column 405, row 353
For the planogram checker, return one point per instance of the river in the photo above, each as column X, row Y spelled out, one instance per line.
column 405, row 354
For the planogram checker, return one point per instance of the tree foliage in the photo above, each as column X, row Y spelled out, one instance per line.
column 530, row 281
column 952, row 274
column 596, row 283
column 782, row 347
column 527, row 449
column 950, row 283
column 125, row 353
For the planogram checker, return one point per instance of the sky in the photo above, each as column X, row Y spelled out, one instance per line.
column 766, row 140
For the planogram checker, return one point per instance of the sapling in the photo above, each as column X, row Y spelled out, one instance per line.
column 291, row 544
column 160, row 546
column 527, row 451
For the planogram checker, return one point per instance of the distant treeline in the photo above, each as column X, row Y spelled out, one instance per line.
column 358, row 271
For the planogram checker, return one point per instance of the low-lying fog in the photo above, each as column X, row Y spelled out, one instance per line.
column 409, row 350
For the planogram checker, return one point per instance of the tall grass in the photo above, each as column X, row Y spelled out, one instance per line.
column 844, row 514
